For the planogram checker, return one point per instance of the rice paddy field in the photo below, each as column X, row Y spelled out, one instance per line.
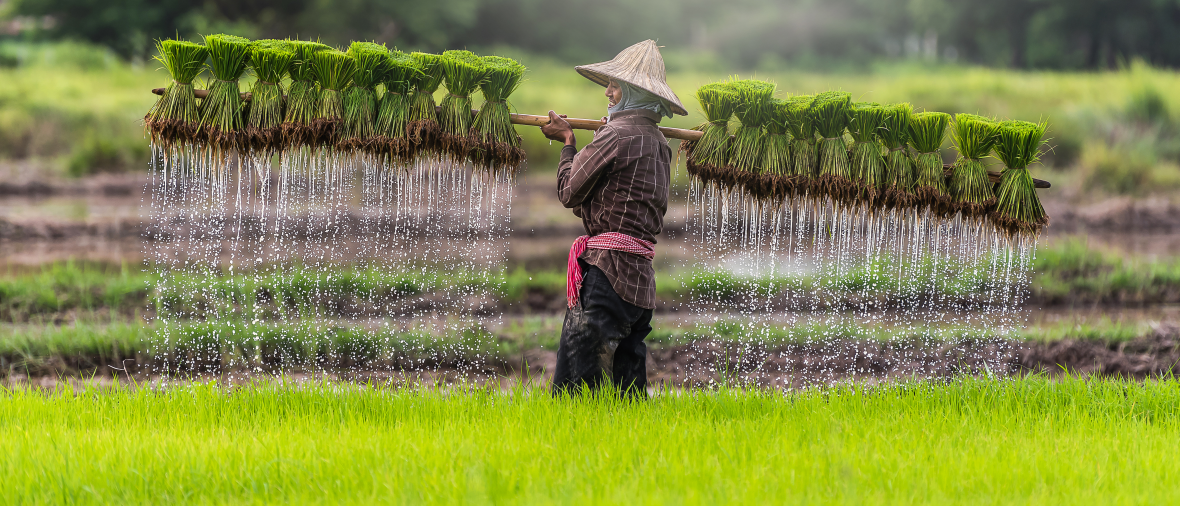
column 969, row 441
column 125, row 382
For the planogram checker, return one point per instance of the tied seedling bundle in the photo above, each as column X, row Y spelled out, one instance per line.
column 708, row 156
column 776, row 160
column 868, row 166
column 303, row 97
column 803, row 155
column 829, row 113
column 333, row 71
column 926, row 132
column 393, row 113
column 1018, row 209
column 270, row 60
column 971, row 188
column 422, row 127
column 221, row 110
column 753, row 111
column 463, row 71
column 360, row 99
column 498, row 148
column 174, row 118
column 899, row 168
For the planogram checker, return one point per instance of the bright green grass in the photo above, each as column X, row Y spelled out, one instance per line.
column 1030, row 441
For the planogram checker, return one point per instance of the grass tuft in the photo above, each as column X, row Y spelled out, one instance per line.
column 175, row 117
column 360, row 100
column 753, row 111
column 463, row 71
column 1018, row 209
column 899, row 167
column 868, row 163
column 423, row 126
column 334, row 71
column 926, row 132
column 829, row 114
column 393, row 112
column 708, row 156
column 221, row 110
column 498, row 148
column 303, row 97
column 970, row 186
column 271, row 61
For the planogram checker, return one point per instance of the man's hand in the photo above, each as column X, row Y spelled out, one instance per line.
column 558, row 129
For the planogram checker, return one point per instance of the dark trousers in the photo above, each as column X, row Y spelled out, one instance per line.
column 602, row 339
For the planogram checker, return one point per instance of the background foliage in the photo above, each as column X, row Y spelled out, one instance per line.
column 1061, row 34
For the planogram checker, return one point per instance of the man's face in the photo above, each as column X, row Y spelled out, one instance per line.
column 614, row 93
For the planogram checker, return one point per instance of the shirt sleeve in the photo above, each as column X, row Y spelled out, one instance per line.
column 579, row 171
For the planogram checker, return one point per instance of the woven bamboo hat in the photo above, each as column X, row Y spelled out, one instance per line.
column 640, row 65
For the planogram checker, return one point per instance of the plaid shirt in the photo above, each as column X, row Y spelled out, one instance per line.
column 619, row 183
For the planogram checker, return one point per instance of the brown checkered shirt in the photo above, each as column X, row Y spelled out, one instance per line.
column 619, row 183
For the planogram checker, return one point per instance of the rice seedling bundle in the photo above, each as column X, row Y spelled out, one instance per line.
column 899, row 168
column 970, row 186
column 868, row 164
column 334, row 70
column 394, row 110
column 803, row 155
column 753, row 111
column 174, row 118
column 776, row 159
column 422, row 127
column 708, row 156
column 1018, row 209
column 829, row 113
column 221, row 110
column 270, row 60
column 926, row 132
column 463, row 71
column 498, row 147
column 360, row 100
column 303, row 97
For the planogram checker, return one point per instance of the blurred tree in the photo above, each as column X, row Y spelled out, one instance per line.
column 126, row 26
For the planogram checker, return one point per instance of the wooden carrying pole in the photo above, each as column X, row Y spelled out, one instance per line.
column 594, row 124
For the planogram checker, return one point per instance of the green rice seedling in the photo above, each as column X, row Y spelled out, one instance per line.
column 498, row 147
column 868, row 164
column 1018, row 209
column 776, row 159
column 174, row 118
column 899, row 167
column 970, row 186
column 360, row 100
column 753, row 111
column 394, row 110
column 707, row 157
column 927, row 131
column 463, row 71
column 303, row 97
column 270, row 60
column 829, row 113
column 422, row 127
column 803, row 159
column 221, row 110
column 334, row 71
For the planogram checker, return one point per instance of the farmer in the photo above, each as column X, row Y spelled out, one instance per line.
column 618, row 186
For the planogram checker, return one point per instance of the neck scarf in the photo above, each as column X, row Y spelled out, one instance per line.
column 638, row 98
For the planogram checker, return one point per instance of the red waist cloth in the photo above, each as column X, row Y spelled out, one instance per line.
column 609, row 240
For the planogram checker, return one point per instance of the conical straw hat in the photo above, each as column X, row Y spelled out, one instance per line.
column 639, row 65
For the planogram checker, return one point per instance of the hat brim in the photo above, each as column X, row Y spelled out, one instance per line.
column 603, row 78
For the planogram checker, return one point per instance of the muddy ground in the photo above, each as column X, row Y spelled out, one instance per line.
column 707, row 363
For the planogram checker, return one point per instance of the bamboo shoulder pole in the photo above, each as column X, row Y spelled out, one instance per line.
column 593, row 124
